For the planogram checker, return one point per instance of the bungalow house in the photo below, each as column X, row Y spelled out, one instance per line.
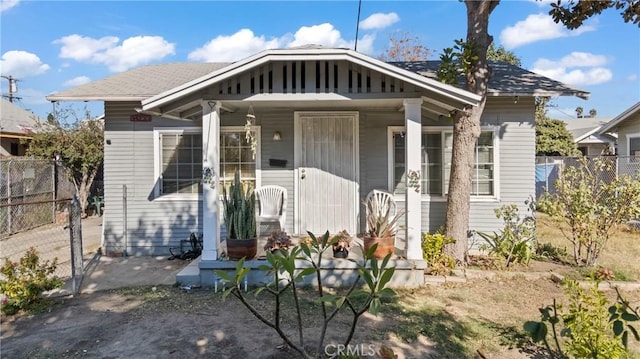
column 16, row 124
column 330, row 125
column 627, row 127
column 588, row 140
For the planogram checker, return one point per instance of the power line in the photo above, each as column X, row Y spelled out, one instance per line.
column 13, row 88
column 355, row 47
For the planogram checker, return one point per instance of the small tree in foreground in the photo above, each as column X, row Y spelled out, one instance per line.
column 287, row 279
column 78, row 145
column 590, row 329
column 591, row 205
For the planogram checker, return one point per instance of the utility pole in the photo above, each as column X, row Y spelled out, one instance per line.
column 13, row 88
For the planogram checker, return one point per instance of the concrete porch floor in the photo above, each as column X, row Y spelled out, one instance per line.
column 336, row 272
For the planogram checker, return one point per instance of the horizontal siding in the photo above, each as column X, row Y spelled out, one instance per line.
column 156, row 225
column 281, row 121
column 629, row 127
column 152, row 226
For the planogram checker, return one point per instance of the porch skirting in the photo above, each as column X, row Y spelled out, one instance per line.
column 335, row 273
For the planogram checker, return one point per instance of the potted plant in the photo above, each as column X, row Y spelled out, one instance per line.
column 382, row 227
column 239, row 217
column 341, row 243
column 278, row 240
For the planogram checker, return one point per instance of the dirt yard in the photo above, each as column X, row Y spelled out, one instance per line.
column 447, row 321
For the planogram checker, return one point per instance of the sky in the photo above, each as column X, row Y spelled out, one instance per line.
column 50, row 46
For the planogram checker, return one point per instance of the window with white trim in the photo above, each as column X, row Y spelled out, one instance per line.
column 179, row 159
column 437, row 146
column 236, row 155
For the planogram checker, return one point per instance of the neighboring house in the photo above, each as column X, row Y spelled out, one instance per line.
column 330, row 126
column 627, row 127
column 587, row 138
column 16, row 124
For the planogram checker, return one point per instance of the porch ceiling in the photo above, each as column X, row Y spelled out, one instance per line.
column 192, row 110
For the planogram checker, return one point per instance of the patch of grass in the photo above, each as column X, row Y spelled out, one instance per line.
column 620, row 253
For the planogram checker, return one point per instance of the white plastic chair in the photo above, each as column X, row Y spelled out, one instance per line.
column 382, row 201
column 273, row 204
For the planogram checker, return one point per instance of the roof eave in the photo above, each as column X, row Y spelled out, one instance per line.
column 53, row 98
column 580, row 94
column 620, row 118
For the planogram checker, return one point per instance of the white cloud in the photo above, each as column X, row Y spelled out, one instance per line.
column 379, row 21
column 323, row 34
column 569, row 69
column 233, row 47
column 244, row 43
column 632, row 77
column 574, row 59
column 82, row 48
column 21, row 64
column 534, row 28
column 7, row 4
column 77, row 81
column 134, row 51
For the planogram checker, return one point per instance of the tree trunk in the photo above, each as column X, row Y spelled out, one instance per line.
column 84, row 188
column 466, row 130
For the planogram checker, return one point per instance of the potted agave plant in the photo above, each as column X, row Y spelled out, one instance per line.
column 382, row 227
column 341, row 243
column 239, row 217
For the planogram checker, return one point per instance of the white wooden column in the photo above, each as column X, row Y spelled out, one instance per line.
column 413, row 159
column 210, row 194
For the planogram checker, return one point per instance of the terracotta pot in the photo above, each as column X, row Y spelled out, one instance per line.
column 386, row 245
column 239, row 248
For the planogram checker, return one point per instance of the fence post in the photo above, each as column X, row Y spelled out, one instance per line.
column 75, row 236
column 124, row 219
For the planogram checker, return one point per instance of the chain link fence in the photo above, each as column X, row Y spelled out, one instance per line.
column 550, row 168
column 29, row 189
column 61, row 240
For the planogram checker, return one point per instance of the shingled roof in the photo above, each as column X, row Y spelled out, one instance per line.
column 506, row 80
column 147, row 81
column 139, row 83
column 16, row 120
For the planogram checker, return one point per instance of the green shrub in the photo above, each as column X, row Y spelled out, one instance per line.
column 591, row 205
column 24, row 281
column 587, row 324
column 551, row 252
column 432, row 252
column 593, row 327
column 515, row 242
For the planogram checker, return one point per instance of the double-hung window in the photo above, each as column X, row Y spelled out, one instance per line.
column 179, row 159
column 236, row 155
column 437, row 149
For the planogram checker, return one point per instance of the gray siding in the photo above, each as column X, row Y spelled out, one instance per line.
column 155, row 225
column 516, row 160
column 631, row 126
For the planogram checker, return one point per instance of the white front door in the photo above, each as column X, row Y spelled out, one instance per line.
column 326, row 169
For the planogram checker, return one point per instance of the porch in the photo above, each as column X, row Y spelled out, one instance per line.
column 335, row 272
